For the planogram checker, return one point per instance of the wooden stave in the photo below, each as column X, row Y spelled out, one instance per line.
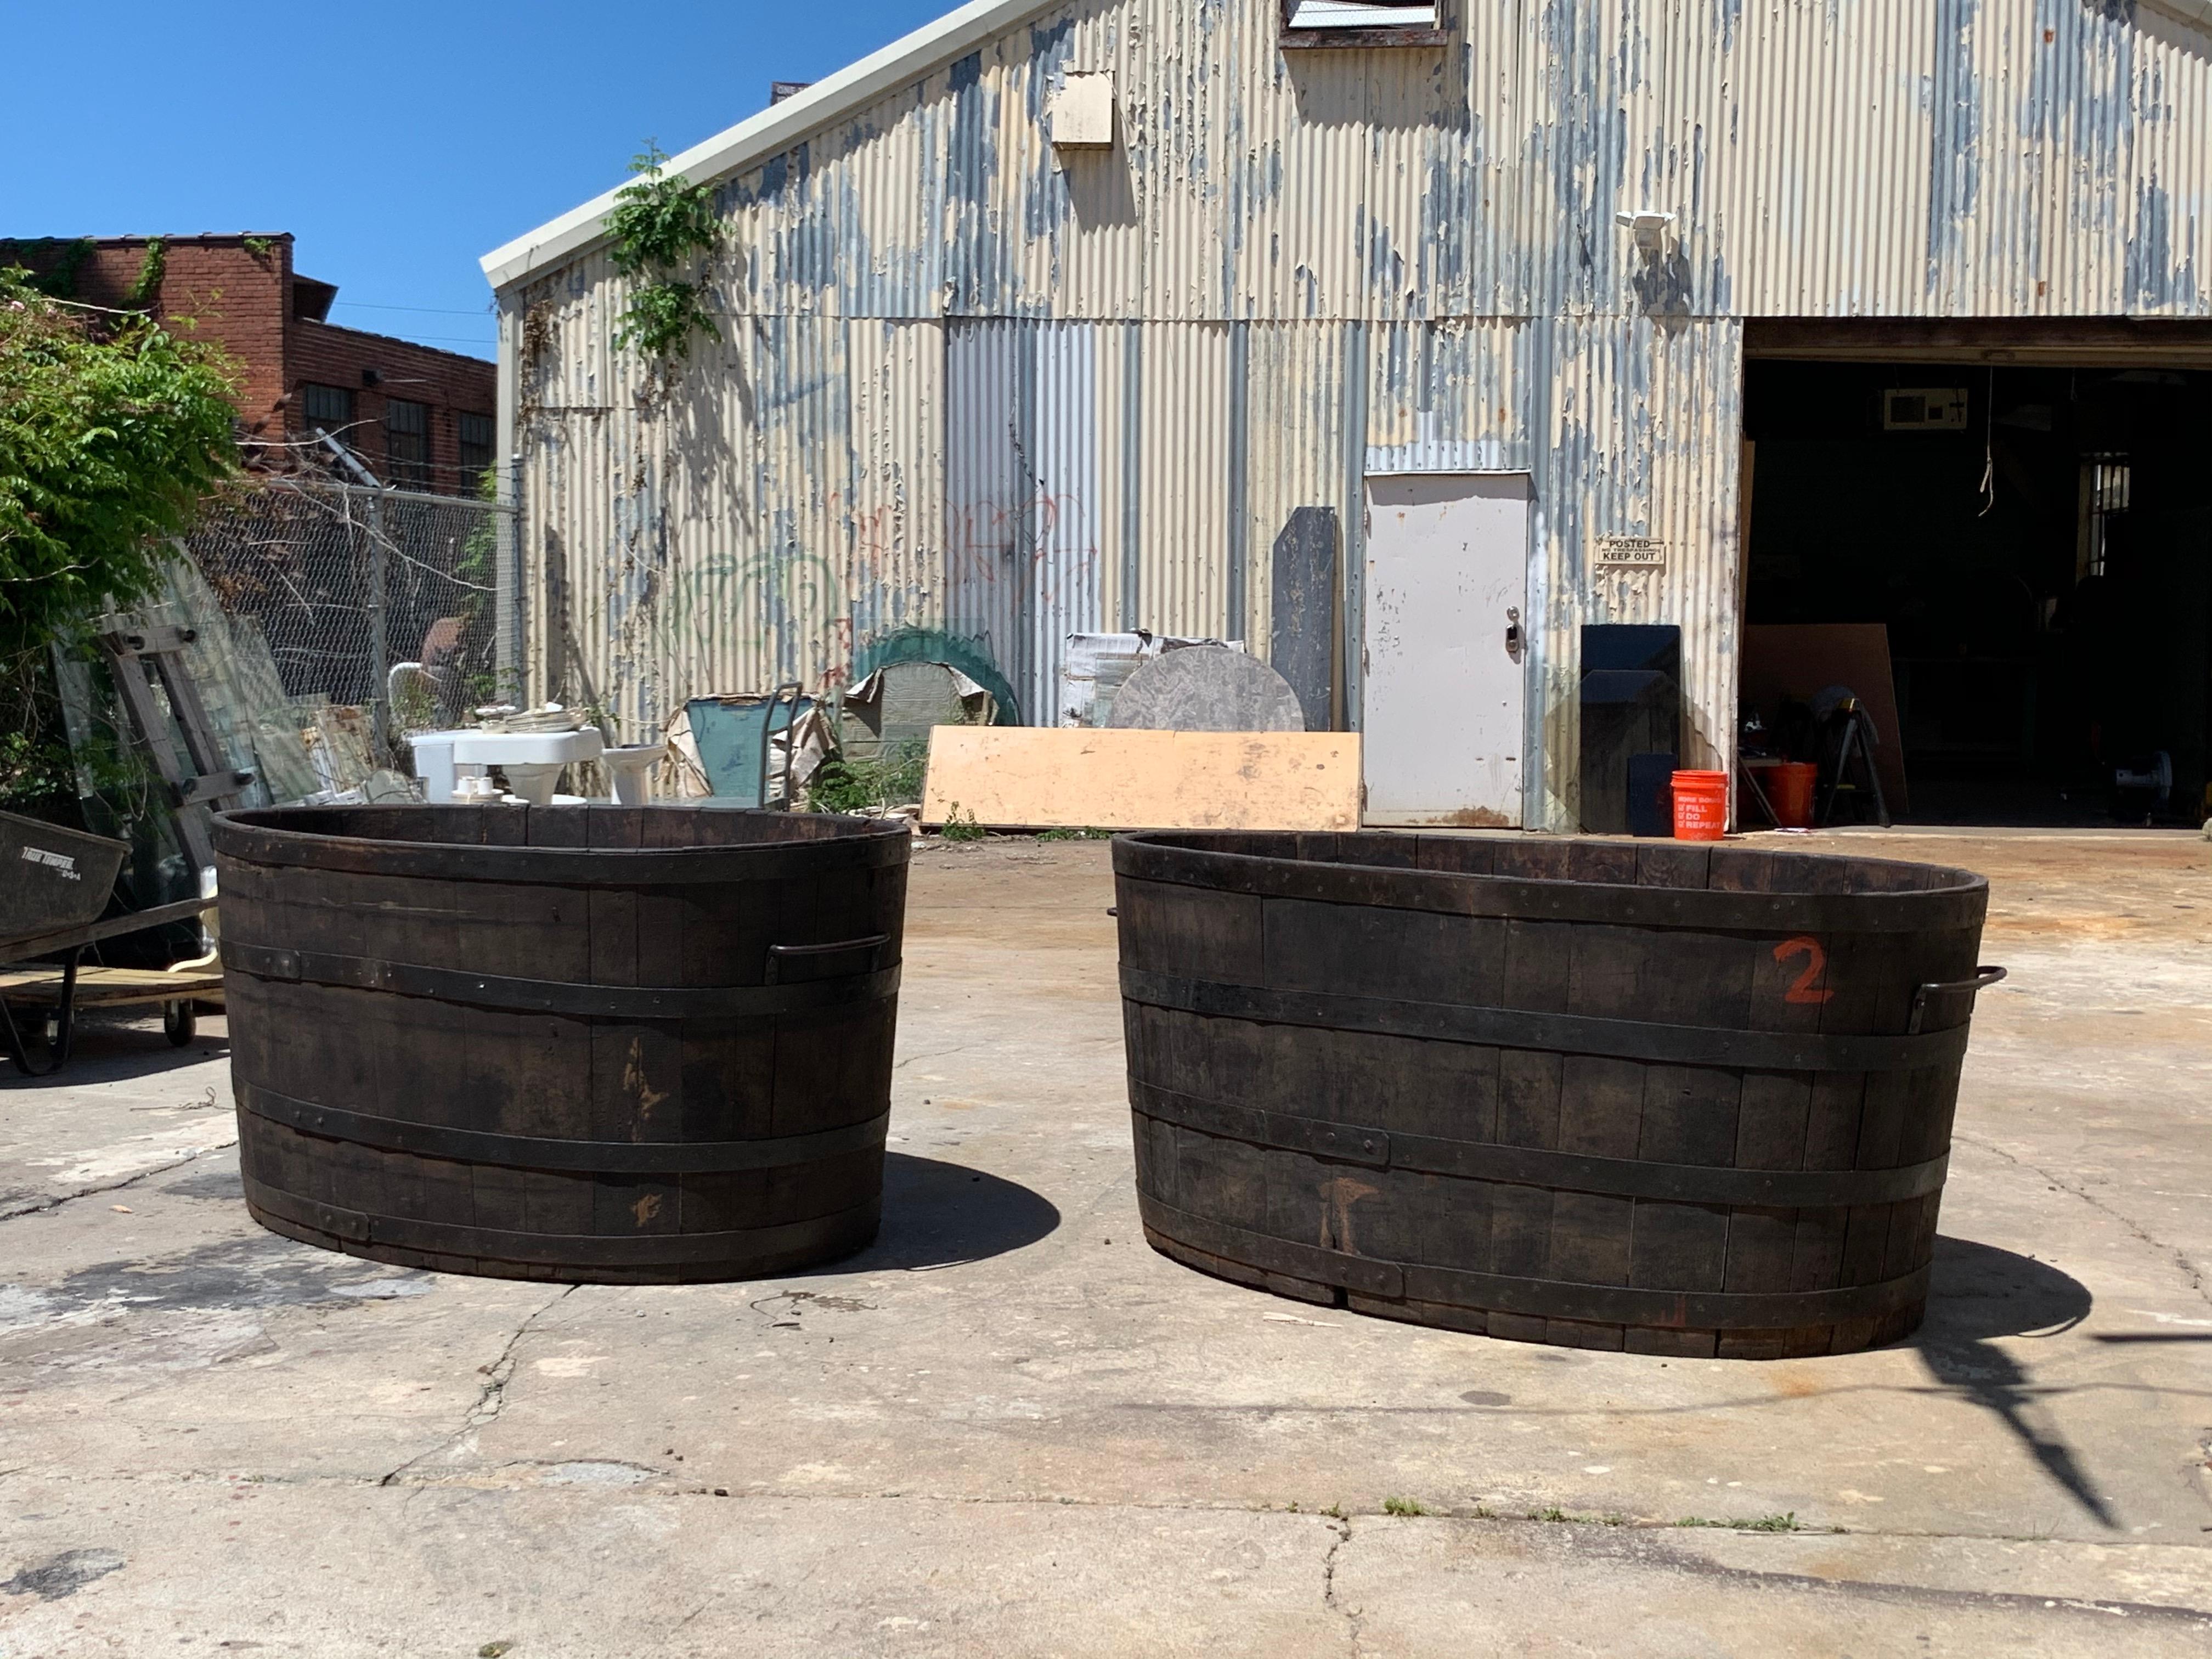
column 829, row 1070
column 1916, row 1106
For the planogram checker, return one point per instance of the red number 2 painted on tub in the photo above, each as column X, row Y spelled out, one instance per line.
column 1803, row 988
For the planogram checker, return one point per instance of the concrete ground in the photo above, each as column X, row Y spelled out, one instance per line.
column 1011, row 1428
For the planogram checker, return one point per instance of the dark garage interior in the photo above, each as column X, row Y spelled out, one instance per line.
column 2029, row 546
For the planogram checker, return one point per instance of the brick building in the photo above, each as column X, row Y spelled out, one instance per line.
column 417, row 416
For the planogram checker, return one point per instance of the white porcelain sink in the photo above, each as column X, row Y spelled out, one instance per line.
column 531, row 760
column 506, row 749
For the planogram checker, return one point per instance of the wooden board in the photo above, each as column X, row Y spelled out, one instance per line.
column 1074, row 778
column 1796, row 659
column 109, row 987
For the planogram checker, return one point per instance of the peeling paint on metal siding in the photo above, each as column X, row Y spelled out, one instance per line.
column 1129, row 594
column 1236, row 534
column 1183, row 491
column 990, row 486
column 1875, row 157
column 896, row 391
column 1023, row 497
column 1955, row 120
column 1070, row 507
column 1417, row 251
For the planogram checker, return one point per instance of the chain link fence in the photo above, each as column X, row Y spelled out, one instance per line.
column 322, row 622
column 383, row 600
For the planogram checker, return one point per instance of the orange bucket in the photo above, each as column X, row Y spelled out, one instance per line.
column 1790, row 790
column 1700, row 806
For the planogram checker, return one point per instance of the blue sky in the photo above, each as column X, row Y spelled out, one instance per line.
column 399, row 143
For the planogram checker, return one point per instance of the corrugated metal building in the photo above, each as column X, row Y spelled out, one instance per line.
column 974, row 392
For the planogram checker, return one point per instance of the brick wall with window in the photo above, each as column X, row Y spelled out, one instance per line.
column 408, row 402
column 296, row 370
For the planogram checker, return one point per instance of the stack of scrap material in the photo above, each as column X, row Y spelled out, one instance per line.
column 231, row 665
column 550, row 717
column 340, row 743
column 901, row 702
column 1097, row 666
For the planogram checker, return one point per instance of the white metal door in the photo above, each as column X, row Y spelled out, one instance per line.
column 1446, row 608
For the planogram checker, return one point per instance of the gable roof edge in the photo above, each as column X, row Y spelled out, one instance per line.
column 774, row 129
column 2198, row 12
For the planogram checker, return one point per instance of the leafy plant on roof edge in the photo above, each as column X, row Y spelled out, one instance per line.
column 112, row 433
column 54, row 262
column 663, row 227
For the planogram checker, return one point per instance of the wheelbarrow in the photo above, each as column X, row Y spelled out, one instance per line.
column 54, row 882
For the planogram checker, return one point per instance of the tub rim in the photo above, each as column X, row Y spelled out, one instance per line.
column 1960, row 899
column 260, row 836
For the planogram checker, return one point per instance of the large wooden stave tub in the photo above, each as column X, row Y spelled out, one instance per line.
column 1351, row 1083
column 632, row 1045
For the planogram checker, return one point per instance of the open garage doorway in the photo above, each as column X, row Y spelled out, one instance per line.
column 2007, row 564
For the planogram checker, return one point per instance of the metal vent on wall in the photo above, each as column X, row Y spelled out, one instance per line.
column 1924, row 408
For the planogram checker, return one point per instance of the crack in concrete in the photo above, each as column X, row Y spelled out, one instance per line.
column 2189, row 1269
column 491, row 1399
column 934, row 1054
column 1341, row 1526
column 45, row 1205
column 1638, row 1527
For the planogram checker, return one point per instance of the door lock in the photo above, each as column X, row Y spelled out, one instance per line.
column 1513, row 632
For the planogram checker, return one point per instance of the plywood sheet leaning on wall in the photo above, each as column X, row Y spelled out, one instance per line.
column 1797, row 659
column 1054, row 777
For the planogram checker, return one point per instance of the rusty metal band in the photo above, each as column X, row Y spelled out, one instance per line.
column 539, row 996
column 548, row 1152
column 1551, row 899
column 1565, row 1034
column 843, row 1230
column 287, row 837
column 1532, row 1166
column 1541, row 1298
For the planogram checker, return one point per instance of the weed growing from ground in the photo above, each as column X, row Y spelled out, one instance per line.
column 1785, row 1522
column 961, row 826
column 892, row 778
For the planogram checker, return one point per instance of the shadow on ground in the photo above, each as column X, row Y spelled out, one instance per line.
column 110, row 1047
column 1980, row 1293
column 936, row 1214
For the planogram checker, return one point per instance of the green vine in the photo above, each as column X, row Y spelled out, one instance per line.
column 55, row 261
column 146, row 289
column 662, row 226
column 260, row 246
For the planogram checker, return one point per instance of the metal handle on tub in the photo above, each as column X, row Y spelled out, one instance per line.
column 780, row 954
column 1983, row 979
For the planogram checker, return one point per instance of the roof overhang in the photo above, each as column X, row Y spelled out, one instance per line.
column 2022, row 341
column 775, row 129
